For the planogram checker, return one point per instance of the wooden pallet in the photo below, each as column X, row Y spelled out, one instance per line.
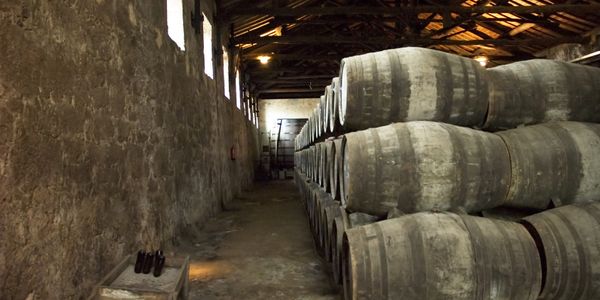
column 123, row 283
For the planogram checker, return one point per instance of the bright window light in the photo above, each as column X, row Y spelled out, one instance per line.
column 208, row 60
column 226, row 72
column 238, row 96
column 247, row 104
column 175, row 22
column 248, row 114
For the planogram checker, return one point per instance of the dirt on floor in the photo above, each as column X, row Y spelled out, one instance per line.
column 259, row 248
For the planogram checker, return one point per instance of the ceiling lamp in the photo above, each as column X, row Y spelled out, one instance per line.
column 482, row 59
column 264, row 59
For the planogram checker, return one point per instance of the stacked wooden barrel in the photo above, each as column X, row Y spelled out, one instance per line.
column 393, row 168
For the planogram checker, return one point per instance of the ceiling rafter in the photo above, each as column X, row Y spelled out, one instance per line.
column 321, row 39
column 317, row 34
column 400, row 10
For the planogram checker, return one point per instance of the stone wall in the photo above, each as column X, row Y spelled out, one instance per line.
column 111, row 139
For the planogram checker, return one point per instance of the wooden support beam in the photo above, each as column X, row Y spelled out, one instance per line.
column 375, row 19
column 381, row 10
column 319, row 39
column 314, row 81
column 290, row 90
column 295, row 71
column 254, row 57
column 289, row 96
column 520, row 28
column 306, row 77
column 340, row 57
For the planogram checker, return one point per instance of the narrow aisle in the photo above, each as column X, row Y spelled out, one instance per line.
column 260, row 249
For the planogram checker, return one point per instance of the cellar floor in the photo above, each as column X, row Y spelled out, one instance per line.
column 260, row 248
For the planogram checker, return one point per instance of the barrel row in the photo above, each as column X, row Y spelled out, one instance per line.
column 410, row 84
column 328, row 222
column 554, row 254
column 421, row 165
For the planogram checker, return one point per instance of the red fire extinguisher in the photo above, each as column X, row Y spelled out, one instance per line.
column 232, row 153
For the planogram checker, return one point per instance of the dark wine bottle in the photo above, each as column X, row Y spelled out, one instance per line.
column 159, row 263
column 148, row 262
column 139, row 261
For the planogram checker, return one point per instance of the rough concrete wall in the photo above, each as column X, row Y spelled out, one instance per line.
column 111, row 139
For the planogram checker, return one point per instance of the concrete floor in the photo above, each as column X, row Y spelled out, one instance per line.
column 261, row 248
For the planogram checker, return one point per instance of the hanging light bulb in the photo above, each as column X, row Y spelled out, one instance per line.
column 264, row 59
column 482, row 59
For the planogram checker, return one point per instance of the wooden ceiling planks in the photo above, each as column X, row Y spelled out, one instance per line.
column 307, row 39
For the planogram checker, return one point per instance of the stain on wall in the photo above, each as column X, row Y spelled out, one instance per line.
column 111, row 139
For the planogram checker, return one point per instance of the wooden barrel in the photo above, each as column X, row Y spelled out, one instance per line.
column 304, row 166
column 315, row 193
column 327, row 109
column 300, row 163
column 334, row 121
column 569, row 241
column 328, row 209
column 419, row 166
column 308, row 161
column 322, row 200
column 320, row 154
column 313, row 132
column 558, row 162
column 306, row 137
column 305, row 191
column 299, row 138
column 542, row 90
column 317, row 170
column 316, row 123
column 335, row 155
column 331, row 212
column 305, row 152
column 325, row 161
column 309, row 140
column 309, row 130
column 298, row 182
column 409, row 84
column 321, row 112
column 304, row 142
column 321, row 159
column 339, row 226
column 317, row 160
column 311, row 159
column 340, row 170
column 440, row 256
column 308, row 200
column 302, row 136
column 340, row 223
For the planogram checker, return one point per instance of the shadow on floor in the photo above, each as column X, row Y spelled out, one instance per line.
column 261, row 248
